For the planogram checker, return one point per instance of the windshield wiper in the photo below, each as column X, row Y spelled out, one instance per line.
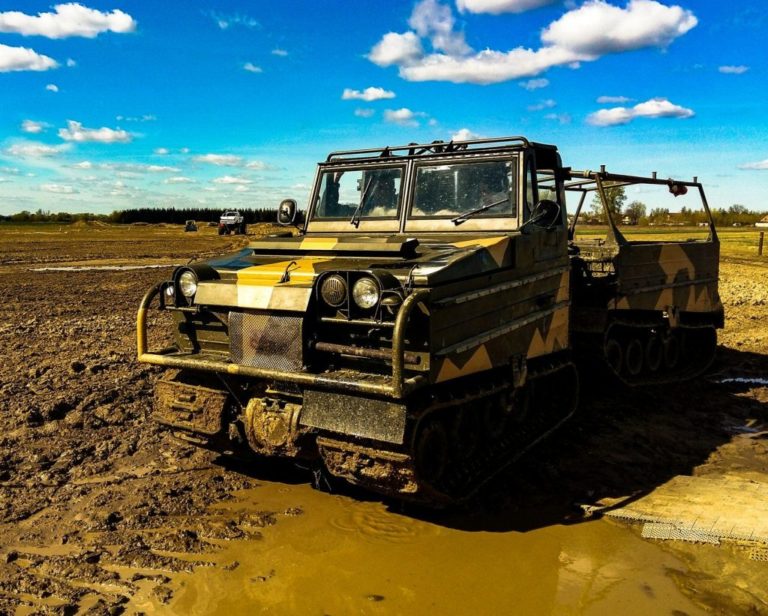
column 466, row 215
column 355, row 220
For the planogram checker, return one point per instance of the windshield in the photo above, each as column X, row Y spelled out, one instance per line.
column 359, row 194
column 466, row 190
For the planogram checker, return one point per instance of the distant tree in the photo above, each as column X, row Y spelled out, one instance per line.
column 658, row 214
column 636, row 210
column 737, row 209
column 615, row 196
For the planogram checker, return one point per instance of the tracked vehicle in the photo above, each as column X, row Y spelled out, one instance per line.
column 647, row 309
column 417, row 333
column 411, row 337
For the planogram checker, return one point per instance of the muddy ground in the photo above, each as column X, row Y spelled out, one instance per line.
column 99, row 506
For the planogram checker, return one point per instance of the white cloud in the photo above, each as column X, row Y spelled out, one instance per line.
column 279, row 52
column 34, row 149
column 464, row 134
column 396, row 49
column 615, row 100
column 402, row 116
column 496, row 7
column 365, row 113
column 220, row 160
column 67, row 20
column 71, row 63
column 77, row 133
column 733, row 70
column 143, row 118
column 547, row 104
column 580, row 35
column 179, row 179
column 23, row 59
column 654, row 108
column 252, row 68
column 59, row 189
column 161, row 151
column 598, row 28
column 52, row 87
column 30, row 126
column 227, row 21
column 230, row 160
column 488, row 66
column 231, row 179
column 560, row 118
column 758, row 166
column 161, row 169
column 435, row 21
column 535, row 84
column 85, row 164
column 368, row 95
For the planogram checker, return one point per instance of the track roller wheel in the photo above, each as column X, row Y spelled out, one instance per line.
column 654, row 352
column 614, row 354
column 494, row 418
column 672, row 351
column 633, row 357
column 432, row 452
column 465, row 433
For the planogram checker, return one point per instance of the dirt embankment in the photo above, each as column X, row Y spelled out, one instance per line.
column 98, row 506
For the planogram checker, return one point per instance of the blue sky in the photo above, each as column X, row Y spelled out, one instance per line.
column 110, row 105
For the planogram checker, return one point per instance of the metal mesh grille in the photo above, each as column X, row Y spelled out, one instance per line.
column 266, row 340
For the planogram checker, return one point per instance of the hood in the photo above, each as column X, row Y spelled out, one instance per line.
column 279, row 273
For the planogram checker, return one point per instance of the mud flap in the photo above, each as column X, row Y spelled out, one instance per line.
column 189, row 407
column 372, row 418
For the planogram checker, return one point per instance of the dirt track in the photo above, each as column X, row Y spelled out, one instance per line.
column 98, row 506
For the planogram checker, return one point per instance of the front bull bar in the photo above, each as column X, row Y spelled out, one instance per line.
column 397, row 387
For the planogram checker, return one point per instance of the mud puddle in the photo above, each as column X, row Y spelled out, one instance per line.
column 100, row 268
column 331, row 554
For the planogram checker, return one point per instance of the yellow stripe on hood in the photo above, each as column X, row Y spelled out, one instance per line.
column 259, row 286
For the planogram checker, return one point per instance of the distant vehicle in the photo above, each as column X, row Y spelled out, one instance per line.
column 232, row 222
column 190, row 225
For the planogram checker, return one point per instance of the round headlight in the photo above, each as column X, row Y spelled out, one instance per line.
column 188, row 283
column 334, row 290
column 366, row 293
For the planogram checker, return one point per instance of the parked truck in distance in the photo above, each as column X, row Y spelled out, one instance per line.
column 420, row 332
column 232, row 222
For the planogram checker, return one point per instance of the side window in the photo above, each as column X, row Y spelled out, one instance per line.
column 531, row 196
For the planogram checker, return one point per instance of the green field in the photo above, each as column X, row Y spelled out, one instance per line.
column 735, row 242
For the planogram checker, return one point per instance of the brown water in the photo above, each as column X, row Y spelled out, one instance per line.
column 344, row 556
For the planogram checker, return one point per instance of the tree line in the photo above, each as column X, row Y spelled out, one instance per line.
column 638, row 213
column 149, row 215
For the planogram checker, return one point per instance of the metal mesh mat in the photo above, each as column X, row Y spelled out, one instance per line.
column 655, row 530
column 759, row 554
column 266, row 340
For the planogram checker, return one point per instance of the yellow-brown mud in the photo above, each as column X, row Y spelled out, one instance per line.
column 102, row 512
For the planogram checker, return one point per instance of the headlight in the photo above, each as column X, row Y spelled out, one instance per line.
column 170, row 292
column 334, row 290
column 188, row 283
column 365, row 292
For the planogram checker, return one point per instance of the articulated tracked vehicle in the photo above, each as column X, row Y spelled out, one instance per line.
column 648, row 309
column 414, row 336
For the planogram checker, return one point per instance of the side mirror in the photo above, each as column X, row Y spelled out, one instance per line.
column 545, row 214
column 286, row 212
